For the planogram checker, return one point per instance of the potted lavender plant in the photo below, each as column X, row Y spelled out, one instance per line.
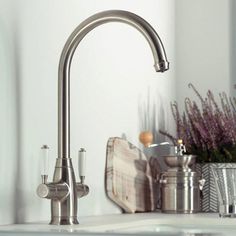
column 208, row 131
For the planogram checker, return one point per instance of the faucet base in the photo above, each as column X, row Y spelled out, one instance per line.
column 64, row 221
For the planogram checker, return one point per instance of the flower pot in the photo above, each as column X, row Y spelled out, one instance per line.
column 209, row 200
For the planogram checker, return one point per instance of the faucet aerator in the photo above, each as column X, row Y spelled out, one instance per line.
column 162, row 66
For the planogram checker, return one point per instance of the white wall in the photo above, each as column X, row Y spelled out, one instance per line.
column 232, row 17
column 8, row 113
column 112, row 80
column 203, row 51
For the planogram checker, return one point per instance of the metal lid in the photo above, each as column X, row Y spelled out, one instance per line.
column 191, row 178
column 180, row 163
column 179, row 174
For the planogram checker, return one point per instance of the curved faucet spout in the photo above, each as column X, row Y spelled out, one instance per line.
column 161, row 64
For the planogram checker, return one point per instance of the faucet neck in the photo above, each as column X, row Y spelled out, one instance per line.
column 161, row 64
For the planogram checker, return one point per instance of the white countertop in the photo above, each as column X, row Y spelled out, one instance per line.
column 141, row 223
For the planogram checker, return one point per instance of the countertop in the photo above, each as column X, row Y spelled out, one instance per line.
column 126, row 224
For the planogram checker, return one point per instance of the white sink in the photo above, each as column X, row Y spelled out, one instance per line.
column 132, row 224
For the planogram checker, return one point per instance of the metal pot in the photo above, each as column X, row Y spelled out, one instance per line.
column 180, row 192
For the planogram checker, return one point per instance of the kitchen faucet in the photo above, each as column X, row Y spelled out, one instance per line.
column 64, row 190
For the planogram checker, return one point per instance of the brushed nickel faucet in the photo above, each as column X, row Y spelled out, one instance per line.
column 64, row 190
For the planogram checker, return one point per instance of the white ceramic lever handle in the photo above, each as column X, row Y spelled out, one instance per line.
column 82, row 164
column 44, row 159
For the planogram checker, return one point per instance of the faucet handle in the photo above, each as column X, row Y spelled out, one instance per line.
column 82, row 164
column 44, row 162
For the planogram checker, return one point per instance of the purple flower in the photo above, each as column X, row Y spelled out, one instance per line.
column 207, row 130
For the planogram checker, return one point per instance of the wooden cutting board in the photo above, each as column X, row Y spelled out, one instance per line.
column 128, row 176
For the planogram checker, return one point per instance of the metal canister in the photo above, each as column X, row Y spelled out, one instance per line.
column 180, row 192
